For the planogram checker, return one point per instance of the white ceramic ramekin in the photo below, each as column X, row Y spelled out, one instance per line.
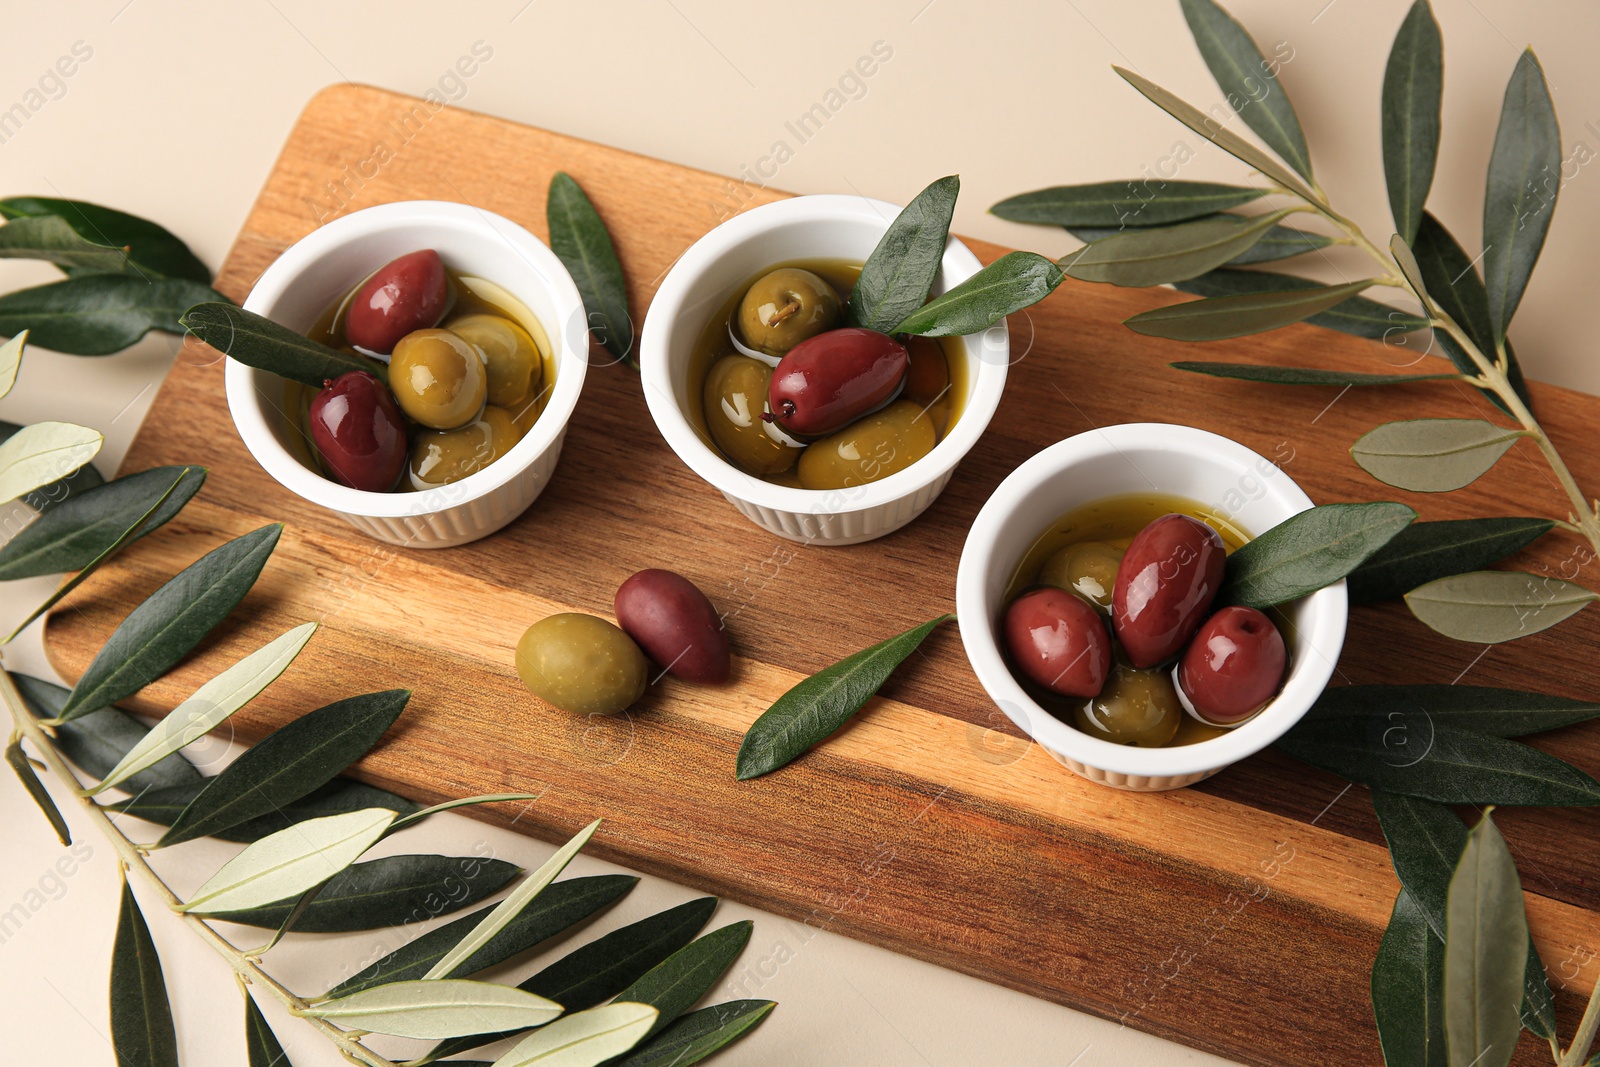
column 320, row 268
column 1223, row 476
column 804, row 227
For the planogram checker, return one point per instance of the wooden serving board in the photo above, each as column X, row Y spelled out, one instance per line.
column 1240, row 916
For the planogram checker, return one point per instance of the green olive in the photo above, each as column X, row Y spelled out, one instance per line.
column 735, row 397
column 1135, row 708
column 784, row 307
column 438, row 379
column 439, row 457
column 1088, row 568
column 510, row 357
column 582, row 664
column 870, row 448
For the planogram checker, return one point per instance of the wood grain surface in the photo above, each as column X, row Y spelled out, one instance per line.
column 1239, row 916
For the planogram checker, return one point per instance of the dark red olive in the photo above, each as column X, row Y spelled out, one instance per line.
column 675, row 624
column 1233, row 666
column 1058, row 641
column 828, row 381
column 409, row 293
column 356, row 425
column 1168, row 578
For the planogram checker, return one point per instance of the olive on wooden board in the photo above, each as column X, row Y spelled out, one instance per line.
column 1088, row 568
column 358, row 432
column 405, row 294
column 870, row 448
column 1168, row 577
column 1058, row 641
column 1234, row 665
column 439, row 457
column 512, row 363
column 582, row 664
column 784, row 307
column 828, row 382
column 438, row 379
column 675, row 624
column 1135, row 708
column 735, row 397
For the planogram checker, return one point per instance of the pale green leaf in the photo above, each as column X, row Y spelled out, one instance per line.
column 1485, row 953
column 1161, row 254
column 585, row 1039
column 39, row 454
column 10, row 360
column 437, row 1008
column 290, row 861
column 1488, row 607
column 1432, row 455
column 1222, row 317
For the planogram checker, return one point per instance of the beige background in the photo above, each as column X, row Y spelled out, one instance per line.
column 180, row 110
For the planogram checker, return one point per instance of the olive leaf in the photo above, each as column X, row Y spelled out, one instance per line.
column 85, row 525
column 1248, row 81
column 1413, row 87
column 146, row 247
column 49, row 237
column 289, row 862
column 599, row 970
column 1358, row 315
column 898, row 275
column 164, row 805
column 258, row 342
column 460, row 802
column 1408, row 989
column 508, row 909
column 389, row 891
column 11, row 361
column 1524, row 178
column 819, row 705
column 171, row 621
column 1488, row 607
column 210, row 705
column 558, row 908
column 1014, row 281
column 443, row 1007
column 1279, row 242
column 1436, row 762
column 98, row 314
column 142, row 1033
column 98, row 740
column 41, row 796
column 288, row 763
column 674, row 985
column 699, row 1034
column 580, row 239
column 47, row 498
column 1478, row 709
column 1157, row 255
column 261, row 1044
column 1425, row 841
column 1485, row 952
column 583, row 1039
column 1223, row 317
column 1309, row 551
column 42, row 453
column 1425, row 551
column 1124, row 203
column 1215, row 132
column 1261, row 372
column 1432, row 455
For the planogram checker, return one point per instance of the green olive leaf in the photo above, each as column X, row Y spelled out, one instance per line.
column 145, row 247
column 258, row 342
column 819, row 705
column 1477, row 709
column 98, row 740
column 261, row 1044
column 42, row 453
column 1432, row 455
column 1162, row 254
column 50, row 238
column 11, row 361
column 442, row 1007
column 585, row 1039
column 1309, row 551
column 289, row 862
column 1248, row 81
column 1009, row 284
column 79, row 530
column 674, row 985
column 699, row 1034
column 1223, row 317
column 41, row 796
column 1408, row 989
column 1437, row 762
column 1262, row 372
column 899, row 274
column 1485, row 952
column 579, row 237
column 48, row 497
column 162, row 805
column 1413, row 87
column 289, row 763
column 460, row 802
column 1524, row 178
column 1279, row 242
column 142, row 1033
column 1357, row 316
column 1489, row 607
column 1117, row 205
column 171, row 621
column 1425, row 551
column 98, row 314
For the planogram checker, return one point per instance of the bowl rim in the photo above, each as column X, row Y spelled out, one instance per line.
column 544, row 269
column 988, row 352
column 1317, row 646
